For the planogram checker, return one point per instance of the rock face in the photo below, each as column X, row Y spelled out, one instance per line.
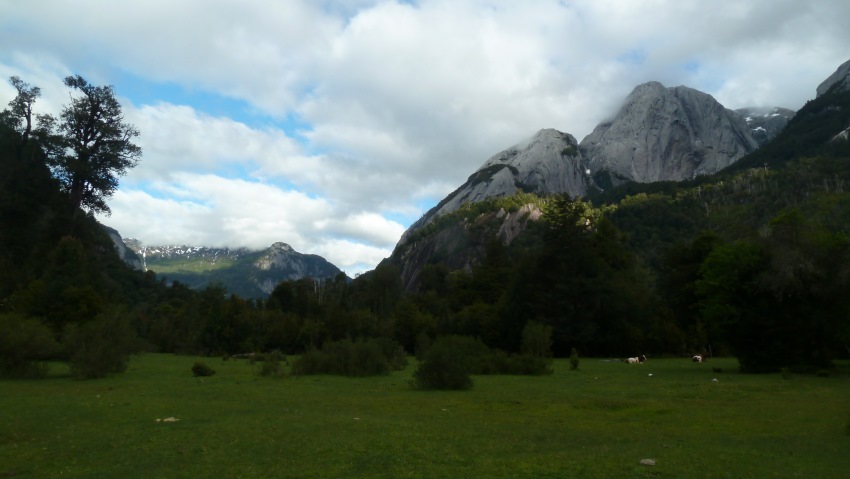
column 549, row 162
column 840, row 79
column 282, row 263
column 461, row 244
column 843, row 136
column 126, row 254
column 667, row 134
column 765, row 122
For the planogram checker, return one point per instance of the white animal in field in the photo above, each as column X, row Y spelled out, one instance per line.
column 636, row 360
column 697, row 358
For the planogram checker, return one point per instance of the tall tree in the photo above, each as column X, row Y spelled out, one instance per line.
column 20, row 107
column 99, row 145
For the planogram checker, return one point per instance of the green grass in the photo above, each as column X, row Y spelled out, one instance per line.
column 597, row 422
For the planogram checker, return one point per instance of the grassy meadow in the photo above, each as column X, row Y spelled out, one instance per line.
column 597, row 422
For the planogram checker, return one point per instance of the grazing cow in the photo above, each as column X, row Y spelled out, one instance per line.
column 637, row 360
column 698, row 358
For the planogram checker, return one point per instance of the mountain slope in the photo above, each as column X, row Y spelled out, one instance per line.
column 252, row 274
column 840, row 79
column 765, row 122
column 548, row 163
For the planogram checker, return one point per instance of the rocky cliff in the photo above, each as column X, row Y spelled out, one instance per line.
column 460, row 243
column 126, row 254
column 547, row 163
column 840, row 79
column 667, row 134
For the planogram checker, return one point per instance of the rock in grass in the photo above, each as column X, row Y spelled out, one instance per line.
column 647, row 462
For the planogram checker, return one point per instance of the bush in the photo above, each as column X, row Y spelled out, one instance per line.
column 446, row 366
column 312, row 361
column 24, row 344
column 495, row 361
column 574, row 359
column 200, row 369
column 352, row 358
column 273, row 365
column 99, row 347
column 459, row 356
column 537, row 340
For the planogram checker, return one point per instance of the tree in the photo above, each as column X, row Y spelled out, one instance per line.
column 21, row 106
column 98, row 143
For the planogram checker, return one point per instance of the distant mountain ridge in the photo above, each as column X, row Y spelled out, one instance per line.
column 765, row 122
column 248, row 273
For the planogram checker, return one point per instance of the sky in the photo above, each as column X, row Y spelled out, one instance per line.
column 333, row 125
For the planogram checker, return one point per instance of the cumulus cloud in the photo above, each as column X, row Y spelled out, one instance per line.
column 397, row 102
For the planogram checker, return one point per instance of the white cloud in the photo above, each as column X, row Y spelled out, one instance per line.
column 179, row 138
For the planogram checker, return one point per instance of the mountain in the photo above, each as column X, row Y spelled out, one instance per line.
column 840, row 79
column 547, row 163
column 765, row 122
column 252, row 274
column 659, row 134
column 663, row 134
column 460, row 238
column 126, row 254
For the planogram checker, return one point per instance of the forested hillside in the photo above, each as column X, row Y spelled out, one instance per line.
column 754, row 262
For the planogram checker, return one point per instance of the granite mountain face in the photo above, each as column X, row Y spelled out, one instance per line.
column 659, row 134
column 667, row 134
column 840, row 79
column 548, row 163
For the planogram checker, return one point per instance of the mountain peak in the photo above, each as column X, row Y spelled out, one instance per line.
column 667, row 134
column 841, row 78
column 281, row 246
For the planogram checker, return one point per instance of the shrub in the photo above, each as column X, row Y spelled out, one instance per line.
column 24, row 344
column 273, row 365
column 537, row 340
column 446, row 366
column 100, row 346
column 394, row 352
column 423, row 343
column 352, row 358
column 312, row 361
column 200, row 369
